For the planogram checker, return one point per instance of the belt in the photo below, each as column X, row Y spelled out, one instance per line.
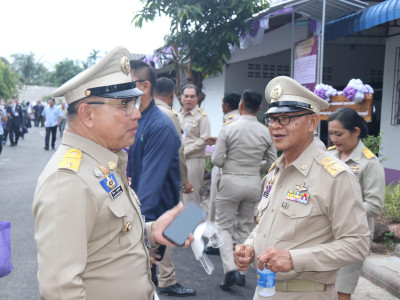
column 238, row 174
column 299, row 286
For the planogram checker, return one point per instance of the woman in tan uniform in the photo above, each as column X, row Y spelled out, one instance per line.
column 346, row 129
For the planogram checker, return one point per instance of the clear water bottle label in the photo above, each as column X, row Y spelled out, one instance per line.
column 266, row 280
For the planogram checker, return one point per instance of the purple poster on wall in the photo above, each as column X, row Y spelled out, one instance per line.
column 305, row 62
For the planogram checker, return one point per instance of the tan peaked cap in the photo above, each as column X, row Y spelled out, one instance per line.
column 285, row 94
column 108, row 78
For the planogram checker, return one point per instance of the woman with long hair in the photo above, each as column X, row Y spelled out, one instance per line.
column 346, row 128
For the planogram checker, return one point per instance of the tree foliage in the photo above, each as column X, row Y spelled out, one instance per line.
column 201, row 32
column 64, row 71
column 7, row 80
column 28, row 70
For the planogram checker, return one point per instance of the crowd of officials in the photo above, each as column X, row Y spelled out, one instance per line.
column 18, row 116
column 127, row 162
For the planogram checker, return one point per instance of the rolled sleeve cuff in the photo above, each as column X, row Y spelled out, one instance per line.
column 150, row 243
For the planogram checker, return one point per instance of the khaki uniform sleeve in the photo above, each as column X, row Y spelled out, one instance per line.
column 182, row 166
column 349, row 228
column 221, row 146
column 205, row 132
column 373, row 187
column 65, row 211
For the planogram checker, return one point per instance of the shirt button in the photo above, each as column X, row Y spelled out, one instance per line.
column 265, row 235
column 272, row 211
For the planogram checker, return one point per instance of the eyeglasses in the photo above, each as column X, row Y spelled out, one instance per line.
column 283, row 119
column 128, row 104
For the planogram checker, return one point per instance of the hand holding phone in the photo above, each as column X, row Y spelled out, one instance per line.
column 185, row 223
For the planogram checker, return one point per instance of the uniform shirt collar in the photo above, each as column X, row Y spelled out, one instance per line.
column 194, row 109
column 248, row 117
column 356, row 154
column 162, row 103
column 303, row 162
column 93, row 149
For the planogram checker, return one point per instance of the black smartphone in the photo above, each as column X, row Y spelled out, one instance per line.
column 185, row 223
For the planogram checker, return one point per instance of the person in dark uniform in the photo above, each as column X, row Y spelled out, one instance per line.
column 15, row 119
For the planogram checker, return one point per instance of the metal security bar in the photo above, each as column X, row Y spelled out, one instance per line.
column 395, row 120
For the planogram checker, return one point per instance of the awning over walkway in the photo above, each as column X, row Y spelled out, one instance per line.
column 378, row 14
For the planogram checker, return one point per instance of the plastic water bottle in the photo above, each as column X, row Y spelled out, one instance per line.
column 265, row 282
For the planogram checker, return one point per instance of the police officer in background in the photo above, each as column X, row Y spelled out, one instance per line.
column 196, row 129
column 311, row 218
column 240, row 149
column 230, row 108
column 91, row 241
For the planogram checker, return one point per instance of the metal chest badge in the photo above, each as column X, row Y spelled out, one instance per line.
column 299, row 195
column 109, row 183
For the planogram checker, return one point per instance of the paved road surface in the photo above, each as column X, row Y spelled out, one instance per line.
column 19, row 170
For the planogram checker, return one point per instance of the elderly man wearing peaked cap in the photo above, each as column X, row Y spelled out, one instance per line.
column 311, row 221
column 91, row 240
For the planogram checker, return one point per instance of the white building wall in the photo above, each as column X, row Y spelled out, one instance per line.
column 391, row 134
column 214, row 90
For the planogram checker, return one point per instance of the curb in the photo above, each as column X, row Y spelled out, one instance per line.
column 382, row 277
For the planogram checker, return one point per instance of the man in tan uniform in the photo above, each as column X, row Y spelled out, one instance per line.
column 230, row 108
column 311, row 218
column 91, row 240
column 240, row 148
column 164, row 97
column 196, row 129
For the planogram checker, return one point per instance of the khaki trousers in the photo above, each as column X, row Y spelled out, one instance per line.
column 236, row 200
column 196, row 167
column 167, row 269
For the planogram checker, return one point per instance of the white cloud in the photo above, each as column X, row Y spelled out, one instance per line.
column 54, row 29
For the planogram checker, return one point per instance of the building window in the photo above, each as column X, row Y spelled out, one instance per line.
column 327, row 75
column 395, row 120
column 376, row 76
column 267, row 71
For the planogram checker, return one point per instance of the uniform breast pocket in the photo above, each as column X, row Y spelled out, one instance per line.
column 124, row 226
column 292, row 224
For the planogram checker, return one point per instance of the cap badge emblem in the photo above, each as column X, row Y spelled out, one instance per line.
column 124, row 63
column 276, row 92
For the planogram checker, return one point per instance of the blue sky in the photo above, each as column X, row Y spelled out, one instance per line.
column 54, row 29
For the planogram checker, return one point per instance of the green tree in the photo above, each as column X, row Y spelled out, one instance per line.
column 64, row 71
column 92, row 59
column 8, row 80
column 29, row 71
column 201, row 32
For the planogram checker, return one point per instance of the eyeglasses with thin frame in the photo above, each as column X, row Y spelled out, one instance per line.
column 283, row 119
column 128, row 104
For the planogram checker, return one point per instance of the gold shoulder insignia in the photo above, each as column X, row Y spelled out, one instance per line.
column 174, row 111
column 272, row 167
column 331, row 148
column 367, row 153
column 203, row 113
column 71, row 160
column 226, row 123
column 332, row 166
column 231, row 116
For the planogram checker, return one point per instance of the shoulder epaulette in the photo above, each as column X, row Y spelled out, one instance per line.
column 332, row 148
column 203, row 113
column 71, row 160
column 174, row 111
column 231, row 116
column 367, row 153
column 227, row 122
column 332, row 166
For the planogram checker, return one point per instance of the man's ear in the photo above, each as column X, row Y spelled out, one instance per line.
column 86, row 114
column 313, row 122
